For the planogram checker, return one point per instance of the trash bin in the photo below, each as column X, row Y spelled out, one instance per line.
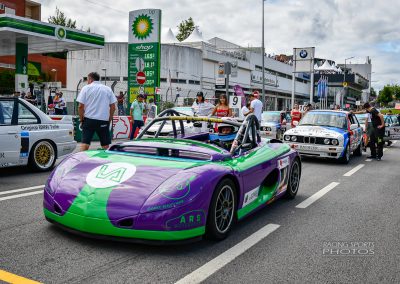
column 78, row 131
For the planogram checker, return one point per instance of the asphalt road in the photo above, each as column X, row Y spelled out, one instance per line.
column 348, row 235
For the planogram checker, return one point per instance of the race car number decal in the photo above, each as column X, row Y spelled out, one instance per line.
column 283, row 163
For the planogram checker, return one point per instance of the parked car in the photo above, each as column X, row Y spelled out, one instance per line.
column 392, row 128
column 274, row 124
column 172, row 188
column 327, row 134
column 30, row 137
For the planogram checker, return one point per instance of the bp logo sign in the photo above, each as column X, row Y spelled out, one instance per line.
column 60, row 33
column 110, row 174
column 142, row 26
column 303, row 53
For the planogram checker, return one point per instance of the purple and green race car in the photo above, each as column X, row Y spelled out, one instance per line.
column 172, row 189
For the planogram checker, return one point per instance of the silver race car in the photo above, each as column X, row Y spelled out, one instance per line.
column 30, row 137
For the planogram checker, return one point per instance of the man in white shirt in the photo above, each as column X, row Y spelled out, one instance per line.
column 96, row 110
column 256, row 107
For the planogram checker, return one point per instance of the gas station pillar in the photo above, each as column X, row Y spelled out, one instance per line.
column 21, row 67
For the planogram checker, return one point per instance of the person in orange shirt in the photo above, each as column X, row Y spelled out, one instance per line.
column 296, row 115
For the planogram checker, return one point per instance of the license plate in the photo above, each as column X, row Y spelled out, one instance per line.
column 307, row 147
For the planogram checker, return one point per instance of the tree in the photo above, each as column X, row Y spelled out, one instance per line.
column 61, row 20
column 373, row 93
column 385, row 95
column 396, row 92
column 186, row 27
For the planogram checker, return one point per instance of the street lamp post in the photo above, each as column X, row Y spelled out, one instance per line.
column 344, row 80
column 105, row 75
column 263, row 52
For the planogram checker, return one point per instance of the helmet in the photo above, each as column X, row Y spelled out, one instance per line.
column 225, row 128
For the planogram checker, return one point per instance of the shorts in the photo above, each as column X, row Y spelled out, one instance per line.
column 370, row 129
column 100, row 127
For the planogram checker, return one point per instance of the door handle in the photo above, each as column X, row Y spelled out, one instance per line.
column 12, row 132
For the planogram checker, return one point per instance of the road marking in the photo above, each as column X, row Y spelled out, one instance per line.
column 20, row 195
column 394, row 142
column 351, row 172
column 21, row 189
column 384, row 150
column 226, row 257
column 12, row 278
column 317, row 195
column 368, row 160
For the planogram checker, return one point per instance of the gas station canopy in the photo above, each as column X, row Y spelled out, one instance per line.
column 43, row 37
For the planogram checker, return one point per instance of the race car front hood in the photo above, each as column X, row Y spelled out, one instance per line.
column 120, row 183
column 270, row 124
column 316, row 131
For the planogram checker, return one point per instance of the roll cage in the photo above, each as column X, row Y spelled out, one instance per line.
column 247, row 136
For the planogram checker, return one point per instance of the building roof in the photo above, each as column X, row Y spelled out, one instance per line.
column 43, row 37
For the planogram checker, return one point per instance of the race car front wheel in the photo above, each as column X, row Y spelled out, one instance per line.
column 42, row 156
column 222, row 211
column 294, row 180
column 346, row 156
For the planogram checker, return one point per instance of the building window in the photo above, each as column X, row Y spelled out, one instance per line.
column 181, row 81
column 163, row 80
column 194, row 82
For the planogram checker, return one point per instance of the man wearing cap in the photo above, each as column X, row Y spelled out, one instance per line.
column 137, row 108
column 96, row 109
column 256, row 106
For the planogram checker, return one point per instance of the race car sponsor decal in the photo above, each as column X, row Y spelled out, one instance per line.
column 177, row 190
column 283, row 163
column 39, row 127
column 187, row 220
column 250, row 196
column 24, row 152
column 283, row 181
column 110, row 174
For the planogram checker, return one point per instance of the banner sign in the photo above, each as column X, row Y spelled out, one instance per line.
column 144, row 50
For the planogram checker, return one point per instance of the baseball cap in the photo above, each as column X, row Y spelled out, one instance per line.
column 141, row 96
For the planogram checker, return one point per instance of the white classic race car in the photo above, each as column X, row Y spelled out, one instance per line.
column 327, row 134
column 30, row 137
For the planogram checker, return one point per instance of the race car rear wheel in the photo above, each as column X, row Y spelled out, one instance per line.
column 346, row 157
column 42, row 156
column 222, row 211
column 294, row 180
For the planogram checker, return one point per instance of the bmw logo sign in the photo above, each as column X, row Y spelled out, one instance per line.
column 303, row 53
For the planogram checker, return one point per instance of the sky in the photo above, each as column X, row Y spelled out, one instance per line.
column 338, row 29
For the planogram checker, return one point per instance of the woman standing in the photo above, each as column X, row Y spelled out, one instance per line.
column 296, row 115
column 222, row 109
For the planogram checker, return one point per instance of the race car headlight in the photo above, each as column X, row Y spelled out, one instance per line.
column 293, row 138
column 267, row 128
column 335, row 142
column 287, row 137
column 176, row 191
column 327, row 141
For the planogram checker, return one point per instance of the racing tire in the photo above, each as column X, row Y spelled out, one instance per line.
column 358, row 152
column 42, row 156
column 294, row 180
column 346, row 157
column 221, row 214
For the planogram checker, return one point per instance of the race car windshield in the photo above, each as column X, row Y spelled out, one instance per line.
column 324, row 119
column 361, row 118
column 271, row 117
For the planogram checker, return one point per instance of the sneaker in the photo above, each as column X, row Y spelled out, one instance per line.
column 371, row 157
column 379, row 159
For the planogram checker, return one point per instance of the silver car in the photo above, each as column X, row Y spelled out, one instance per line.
column 30, row 137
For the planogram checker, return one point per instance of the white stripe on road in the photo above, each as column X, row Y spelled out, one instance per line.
column 317, row 195
column 351, row 172
column 226, row 257
column 394, row 142
column 384, row 150
column 20, row 195
column 21, row 189
column 368, row 160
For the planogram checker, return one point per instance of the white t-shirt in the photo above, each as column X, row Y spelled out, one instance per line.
column 97, row 99
column 60, row 104
column 244, row 110
column 257, row 106
column 202, row 109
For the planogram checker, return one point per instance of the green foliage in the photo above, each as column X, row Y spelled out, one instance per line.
column 394, row 111
column 7, row 81
column 373, row 93
column 396, row 91
column 165, row 105
column 385, row 95
column 61, row 20
column 186, row 27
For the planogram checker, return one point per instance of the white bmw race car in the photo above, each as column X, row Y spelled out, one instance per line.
column 30, row 137
column 327, row 134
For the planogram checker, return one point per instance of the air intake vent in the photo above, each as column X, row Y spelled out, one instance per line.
column 126, row 223
column 57, row 209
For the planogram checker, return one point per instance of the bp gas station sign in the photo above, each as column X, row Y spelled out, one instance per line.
column 144, row 52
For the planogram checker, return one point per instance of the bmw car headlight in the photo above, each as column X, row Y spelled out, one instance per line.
column 287, row 137
column 293, row 138
column 335, row 142
column 327, row 141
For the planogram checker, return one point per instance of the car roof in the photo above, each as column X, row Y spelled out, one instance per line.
column 329, row 111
